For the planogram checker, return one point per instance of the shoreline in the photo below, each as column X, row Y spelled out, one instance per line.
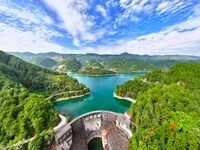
column 69, row 98
column 113, row 74
column 129, row 72
column 93, row 75
column 124, row 98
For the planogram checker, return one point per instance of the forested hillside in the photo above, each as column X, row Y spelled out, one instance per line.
column 92, row 67
column 45, row 62
column 68, row 64
column 124, row 62
column 167, row 112
column 132, row 64
column 35, row 78
column 25, row 111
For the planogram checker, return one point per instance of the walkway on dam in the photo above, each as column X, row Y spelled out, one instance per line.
column 79, row 132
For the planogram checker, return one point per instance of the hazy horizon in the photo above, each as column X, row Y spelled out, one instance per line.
column 101, row 53
column 145, row 27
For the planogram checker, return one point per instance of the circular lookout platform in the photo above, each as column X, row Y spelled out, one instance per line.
column 76, row 134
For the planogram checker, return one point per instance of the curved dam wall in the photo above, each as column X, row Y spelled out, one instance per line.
column 84, row 128
column 90, row 124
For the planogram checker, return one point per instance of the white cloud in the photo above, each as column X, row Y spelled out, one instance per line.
column 172, row 6
column 27, row 14
column 196, row 11
column 32, row 29
column 101, row 10
column 112, row 3
column 124, row 3
column 28, row 18
column 27, row 28
column 162, row 6
column 75, row 21
column 132, row 8
column 135, row 6
column 183, row 38
column 13, row 39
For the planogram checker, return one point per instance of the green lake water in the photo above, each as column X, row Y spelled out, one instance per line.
column 101, row 96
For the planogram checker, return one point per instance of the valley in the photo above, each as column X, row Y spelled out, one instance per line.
column 161, row 103
column 97, row 65
column 100, row 75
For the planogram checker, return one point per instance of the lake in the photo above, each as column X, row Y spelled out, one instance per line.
column 101, row 96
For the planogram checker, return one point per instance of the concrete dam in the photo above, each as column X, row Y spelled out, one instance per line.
column 113, row 129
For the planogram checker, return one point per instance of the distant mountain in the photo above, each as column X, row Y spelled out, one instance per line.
column 28, row 54
column 128, row 55
column 124, row 62
column 49, row 54
column 123, row 55
column 177, row 57
column 92, row 54
column 161, row 57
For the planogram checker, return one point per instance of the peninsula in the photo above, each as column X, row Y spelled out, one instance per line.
column 125, row 98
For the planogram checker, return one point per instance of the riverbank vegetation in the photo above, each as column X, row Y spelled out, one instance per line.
column 24, row 88
column 167, row 111
column 69, row 95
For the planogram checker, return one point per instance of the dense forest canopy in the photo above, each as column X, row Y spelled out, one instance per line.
column 167, row 112
column 35, row 78
column 92, row 67
column 68, row 64
column 130, row 64
column 44, row 62
column 24, row 87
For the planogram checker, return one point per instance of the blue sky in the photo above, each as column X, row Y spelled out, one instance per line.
column 154, row 27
